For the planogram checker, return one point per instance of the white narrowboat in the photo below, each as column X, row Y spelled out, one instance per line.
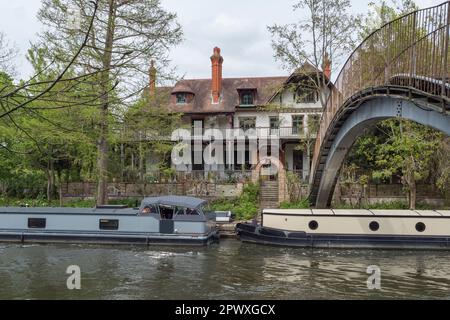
column 383, row 229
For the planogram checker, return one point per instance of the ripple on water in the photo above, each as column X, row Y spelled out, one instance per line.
column 166, row 254
column 230, row 271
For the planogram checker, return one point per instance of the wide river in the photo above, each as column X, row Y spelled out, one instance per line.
column 229, row 270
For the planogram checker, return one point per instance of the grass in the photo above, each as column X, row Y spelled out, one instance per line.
column 73, row 203
column 389, row 205
column 300, row 204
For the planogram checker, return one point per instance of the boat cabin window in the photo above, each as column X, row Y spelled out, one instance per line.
column 36, row 223
column 192, row 212
column 180, row 211
column 148, row 210
column 106, row 224
column 166, row 212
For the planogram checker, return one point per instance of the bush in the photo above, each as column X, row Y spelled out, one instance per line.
column 130, row 202
column 245, row 207
column 390, row 205
column 300, row 204
column 25, row 184
column 78, row 203
column 39, row 201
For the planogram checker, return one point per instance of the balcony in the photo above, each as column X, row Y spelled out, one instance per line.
column 286, row 133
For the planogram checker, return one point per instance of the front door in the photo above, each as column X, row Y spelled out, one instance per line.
column 298, row 160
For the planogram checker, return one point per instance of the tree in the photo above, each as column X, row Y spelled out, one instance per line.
column 327, row 35
column 383, row 12
column 442, row 167
column 146, row 127
column 126, row 35
column 7, row 54
column 398, row 147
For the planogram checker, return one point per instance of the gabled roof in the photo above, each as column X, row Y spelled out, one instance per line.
column 201, row 88
column 306, row 69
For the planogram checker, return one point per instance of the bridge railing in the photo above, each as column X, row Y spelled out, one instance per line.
column 410, row 52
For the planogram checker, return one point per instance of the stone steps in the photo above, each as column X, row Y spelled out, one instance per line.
column 269, row 205
column 269, row 197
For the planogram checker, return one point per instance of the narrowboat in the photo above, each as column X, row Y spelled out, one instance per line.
column 377, row 229
column 158, row 221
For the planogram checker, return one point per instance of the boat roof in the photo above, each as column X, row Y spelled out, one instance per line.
column 177, row 201
column 359, row 212
column 67, row 211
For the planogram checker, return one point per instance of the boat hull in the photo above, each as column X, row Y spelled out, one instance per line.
column 255, row 233
column 27, row 237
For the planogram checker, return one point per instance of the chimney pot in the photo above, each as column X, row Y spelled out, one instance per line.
column 216, row 85
column 326, row 66
column 152, row 78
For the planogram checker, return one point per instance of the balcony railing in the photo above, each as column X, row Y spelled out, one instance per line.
column 293, row 133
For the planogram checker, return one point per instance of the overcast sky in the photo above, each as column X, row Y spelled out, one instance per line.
column 238, row 27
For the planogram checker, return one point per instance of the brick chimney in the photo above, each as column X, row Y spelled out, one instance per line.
column 152, row 79
column 326, row 66
column 216, row 86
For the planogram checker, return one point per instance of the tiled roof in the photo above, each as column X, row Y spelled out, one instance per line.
column 201, row 88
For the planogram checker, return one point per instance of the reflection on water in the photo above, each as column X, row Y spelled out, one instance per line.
column 231, row 270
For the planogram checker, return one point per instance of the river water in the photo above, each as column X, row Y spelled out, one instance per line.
column 229, row 270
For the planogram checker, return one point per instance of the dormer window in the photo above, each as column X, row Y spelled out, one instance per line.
column 182, row 93
column 246, row 97
column 181, row 98
column 306, row 96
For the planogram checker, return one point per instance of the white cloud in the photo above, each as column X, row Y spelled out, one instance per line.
column 237, row 26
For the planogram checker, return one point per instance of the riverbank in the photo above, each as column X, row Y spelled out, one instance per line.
column 227, row 230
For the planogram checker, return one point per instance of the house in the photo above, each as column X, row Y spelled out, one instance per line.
column 284, row 109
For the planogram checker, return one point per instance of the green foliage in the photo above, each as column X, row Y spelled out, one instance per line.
column 38, row 201
column 300, row 204
column 169, row 173
column 398, row 148
column 130, row 202
column 23, row 183
column 387, row 205
column 222, row 205
column 41, row 201
column 294, row 186
column 245, row 207
column 383, row 12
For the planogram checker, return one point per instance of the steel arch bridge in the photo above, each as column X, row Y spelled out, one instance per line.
column 401, row 70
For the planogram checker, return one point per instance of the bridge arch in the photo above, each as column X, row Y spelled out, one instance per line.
column 401, row 70
column 368, row 114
